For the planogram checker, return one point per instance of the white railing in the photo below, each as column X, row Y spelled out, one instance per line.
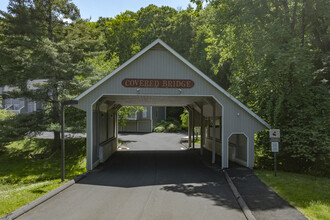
column 17, row 111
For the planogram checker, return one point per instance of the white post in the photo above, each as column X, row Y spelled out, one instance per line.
column 115, row 123
column 213, row 134
column 89, row 139
column 151, row 122
column 202, row 128
column 193, row 127
column 189, row 128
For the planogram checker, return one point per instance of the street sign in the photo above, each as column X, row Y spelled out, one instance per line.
column 274, row 135
column 275, row 147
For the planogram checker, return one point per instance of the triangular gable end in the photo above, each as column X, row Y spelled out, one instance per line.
column 178, row 56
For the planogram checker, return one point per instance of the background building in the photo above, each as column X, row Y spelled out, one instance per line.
column 21, row 105
column 144, row 121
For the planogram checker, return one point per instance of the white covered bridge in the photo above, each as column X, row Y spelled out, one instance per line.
column 158, row 76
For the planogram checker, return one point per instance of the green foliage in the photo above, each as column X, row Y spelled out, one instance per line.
column 36, row 43
column 160, row 128
column 308, row 194
column 173, row 127
column 5, row 114
column 28, row 169
column 184, row 119
column 127, row 111
column 101, row 67
column 168, row 126
column 120, row 34
column 278, row 57
column 16, row 127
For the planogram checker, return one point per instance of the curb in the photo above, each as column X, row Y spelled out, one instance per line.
column 247, row 212
column 43, row 198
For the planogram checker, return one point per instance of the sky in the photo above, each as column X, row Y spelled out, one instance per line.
column 109, row 8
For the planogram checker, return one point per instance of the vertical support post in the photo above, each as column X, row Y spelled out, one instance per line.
column 63, row 142
column 189, row 128
column 115, row 124
column 151, row 120
column 202, row 127
column 89, row 138
column 193, row 127
column 97, row 135
column 275, row 163
column 213, row 134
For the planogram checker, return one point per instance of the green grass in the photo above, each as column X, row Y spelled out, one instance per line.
column 28, row 170
column 309, row 194
column 198, row 142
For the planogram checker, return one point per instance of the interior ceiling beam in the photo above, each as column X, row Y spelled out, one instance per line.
column 182, row 101
column 110, row 103
column 209, row 100
column 189, row 107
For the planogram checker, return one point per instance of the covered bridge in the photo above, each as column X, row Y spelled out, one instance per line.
column 159, row 76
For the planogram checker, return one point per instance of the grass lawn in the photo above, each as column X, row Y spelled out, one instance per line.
column 28, row 170
column 309, row 194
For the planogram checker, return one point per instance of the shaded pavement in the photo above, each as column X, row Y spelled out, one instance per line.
column 263, row 202
column 155, row 179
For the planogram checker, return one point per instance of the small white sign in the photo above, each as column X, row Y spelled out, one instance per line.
column 274, row 133
column 275, row 147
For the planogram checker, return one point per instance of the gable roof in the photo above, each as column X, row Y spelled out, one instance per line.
column 173, row 52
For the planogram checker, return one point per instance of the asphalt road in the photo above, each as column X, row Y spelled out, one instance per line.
column 154, row 179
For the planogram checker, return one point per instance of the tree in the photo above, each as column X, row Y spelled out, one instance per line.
column 125, row 111
column 35, row 45
column 120, row 35
column 152, row 23
column 184, row 119
column 278, row 59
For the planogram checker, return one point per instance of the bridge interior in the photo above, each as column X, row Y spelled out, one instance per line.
column 204, row 112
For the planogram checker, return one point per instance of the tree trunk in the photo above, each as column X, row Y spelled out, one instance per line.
column 294, row 18
column 50, row 23
column 57, row 140
column 303, row 23
column 286, row 11
column 56, row 117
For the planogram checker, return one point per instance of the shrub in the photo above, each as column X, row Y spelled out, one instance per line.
column 168, row 126
column 184, row 119
column 159, row 129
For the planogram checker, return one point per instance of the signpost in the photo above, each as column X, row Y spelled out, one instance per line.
column 274, row 135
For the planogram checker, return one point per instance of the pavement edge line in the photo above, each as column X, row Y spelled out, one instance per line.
column 247, row 212
column 42, row 199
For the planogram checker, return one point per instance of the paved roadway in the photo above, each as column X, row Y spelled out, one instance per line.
column 154, row 179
